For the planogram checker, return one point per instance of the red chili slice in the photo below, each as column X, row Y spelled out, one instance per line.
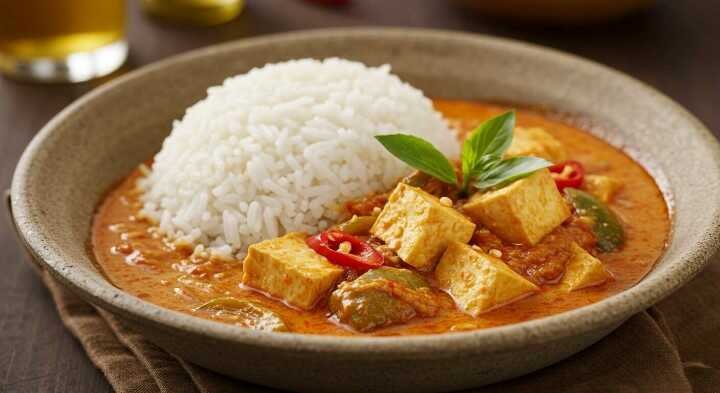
column 567, row 174
column 362, row 256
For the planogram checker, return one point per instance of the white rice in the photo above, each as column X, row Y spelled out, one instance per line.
column 279, row 148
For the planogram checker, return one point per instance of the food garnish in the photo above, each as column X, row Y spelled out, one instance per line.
column 419, row 154
column 345, row 250
column 605, row 224
column 481, row 160
column 568, row 174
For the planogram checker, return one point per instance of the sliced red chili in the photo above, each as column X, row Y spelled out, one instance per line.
column 360, row 256
column 568, row 174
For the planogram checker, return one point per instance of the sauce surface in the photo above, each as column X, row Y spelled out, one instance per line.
column 135, row 258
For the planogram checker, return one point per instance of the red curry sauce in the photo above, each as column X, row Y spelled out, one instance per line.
column 136, row 258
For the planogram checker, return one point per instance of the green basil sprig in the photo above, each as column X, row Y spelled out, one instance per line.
column 481, row 160
column 419, row 154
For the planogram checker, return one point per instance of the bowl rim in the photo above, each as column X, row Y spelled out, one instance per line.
column 543, row 330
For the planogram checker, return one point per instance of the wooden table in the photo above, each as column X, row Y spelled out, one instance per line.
column 675, row 47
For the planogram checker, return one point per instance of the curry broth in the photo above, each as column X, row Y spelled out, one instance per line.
column 160, row 274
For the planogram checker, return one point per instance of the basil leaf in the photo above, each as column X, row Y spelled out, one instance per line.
column 484, row 164
column 419, row 154
column 507, row 171
column 492, row 137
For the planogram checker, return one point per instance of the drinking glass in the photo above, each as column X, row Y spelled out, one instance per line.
column 61, row 40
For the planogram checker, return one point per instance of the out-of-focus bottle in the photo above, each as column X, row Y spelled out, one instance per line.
column 195, row 12
column 61, row 40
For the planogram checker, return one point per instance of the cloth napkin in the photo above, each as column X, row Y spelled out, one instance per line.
column 672, row 347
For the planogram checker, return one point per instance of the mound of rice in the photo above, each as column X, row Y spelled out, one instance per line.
column 279, row 148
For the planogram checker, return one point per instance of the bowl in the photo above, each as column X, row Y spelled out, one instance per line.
column 84, row 150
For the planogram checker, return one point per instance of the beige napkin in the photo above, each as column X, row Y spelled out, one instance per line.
column 673, row 347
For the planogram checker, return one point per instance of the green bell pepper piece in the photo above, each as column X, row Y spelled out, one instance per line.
column 605, row 224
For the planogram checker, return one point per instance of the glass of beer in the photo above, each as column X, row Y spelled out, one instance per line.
column 61, row 40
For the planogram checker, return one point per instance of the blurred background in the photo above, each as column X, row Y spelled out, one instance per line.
column 34, row 34
column 54, row 51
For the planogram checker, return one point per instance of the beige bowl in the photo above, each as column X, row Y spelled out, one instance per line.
column 76, row 157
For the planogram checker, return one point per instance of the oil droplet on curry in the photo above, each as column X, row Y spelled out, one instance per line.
column 501, row 275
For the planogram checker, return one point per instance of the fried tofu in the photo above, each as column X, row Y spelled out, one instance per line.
column 418, row 227
column 536, row 142
column 479, row 282
column 286, row 268
column 603, row 187
column 584, row 270
column 522, row 212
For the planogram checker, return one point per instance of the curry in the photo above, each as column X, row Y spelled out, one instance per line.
column 425, row 257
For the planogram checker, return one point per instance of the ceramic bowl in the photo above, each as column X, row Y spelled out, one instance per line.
column 99, row 139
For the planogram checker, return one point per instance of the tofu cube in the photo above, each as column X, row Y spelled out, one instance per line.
column 603, row 187
column 522, row 212
column 479, row 282
column 418, row 227
column 286, row 268
column 536, row 142
column 584, row 270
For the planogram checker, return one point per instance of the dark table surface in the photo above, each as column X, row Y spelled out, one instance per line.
column 674, row 47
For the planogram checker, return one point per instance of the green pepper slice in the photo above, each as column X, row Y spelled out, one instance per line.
column 365, row 308
column 605, row 224
column 404, row 276
column 357, row 225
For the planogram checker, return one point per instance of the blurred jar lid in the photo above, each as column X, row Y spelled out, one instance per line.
column 557, row 12
column 194, row 12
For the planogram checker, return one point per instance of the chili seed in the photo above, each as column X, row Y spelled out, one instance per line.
column 496, row 253
column 445, row 201
column 345, row 247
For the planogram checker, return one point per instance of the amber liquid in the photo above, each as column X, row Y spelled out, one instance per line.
column 31, row 29
column 195, row 12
